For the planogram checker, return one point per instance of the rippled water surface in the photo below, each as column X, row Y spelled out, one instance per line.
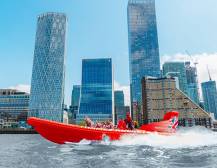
column 196, row 147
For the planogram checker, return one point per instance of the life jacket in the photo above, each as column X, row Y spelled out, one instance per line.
column 121, row 125
column 129, row 122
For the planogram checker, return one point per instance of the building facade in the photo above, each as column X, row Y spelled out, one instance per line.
column 75, row 95
column 210, row 96
column 176, row 69
column 120, row 109
column 14, row 106
column 119, row 98
column 48, row 74
column 97, row 92
column 144, row 57
column 192, row 82
column 75, row 101
column 160, row 95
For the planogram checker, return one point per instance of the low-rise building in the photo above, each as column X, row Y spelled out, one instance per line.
column 160, row 95
column 14, row 107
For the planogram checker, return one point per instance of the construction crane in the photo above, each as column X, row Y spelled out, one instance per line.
column 208, row 72
column 195, row 62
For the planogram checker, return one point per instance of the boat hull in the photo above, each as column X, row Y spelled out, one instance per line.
column 61, row 133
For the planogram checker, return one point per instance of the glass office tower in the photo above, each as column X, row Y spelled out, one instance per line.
column 48, row 74
column 97, row 97
column 75, row 95
column 176, row 69
column 210, row 96
column 143, row 46
column 192, row 82
column 75, row 99
column 119, row 98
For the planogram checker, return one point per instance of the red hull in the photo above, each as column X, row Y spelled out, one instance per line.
column 61, row 133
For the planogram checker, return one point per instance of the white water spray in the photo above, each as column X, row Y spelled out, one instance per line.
column 184, row 138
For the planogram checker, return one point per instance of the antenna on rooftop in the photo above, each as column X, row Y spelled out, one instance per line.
column 195, row 62
column 209, row 73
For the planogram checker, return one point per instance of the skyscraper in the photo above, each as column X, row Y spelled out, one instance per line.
column 75, row 99
column 119, row 98
column 120, row 109
column 97, row 97
column 210, row 96
column 143, row 45
column 192, row 82
column 48, row 74
column 75, row 95
column 176, row 69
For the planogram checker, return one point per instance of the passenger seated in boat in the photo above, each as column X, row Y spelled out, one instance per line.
column 88, row 122
column 98, row 125
column 136, row 124
column 121, row 124
column 109, row 125
column 129, row 122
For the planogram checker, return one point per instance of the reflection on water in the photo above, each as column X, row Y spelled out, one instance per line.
column 195, row 147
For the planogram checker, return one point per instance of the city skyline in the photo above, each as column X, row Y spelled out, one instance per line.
column 22, row 48
column 108, row 83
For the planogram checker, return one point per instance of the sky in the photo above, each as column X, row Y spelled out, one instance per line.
column 98, row 29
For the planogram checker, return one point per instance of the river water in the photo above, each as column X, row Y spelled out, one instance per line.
column 194, row 147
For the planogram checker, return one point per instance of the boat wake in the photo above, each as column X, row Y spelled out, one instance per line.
column 184, row 138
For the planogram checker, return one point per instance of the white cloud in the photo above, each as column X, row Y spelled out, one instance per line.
column 21, row 87
column 126, row 90
column 203, row 60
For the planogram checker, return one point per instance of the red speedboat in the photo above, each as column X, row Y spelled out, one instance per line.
column 62, row 133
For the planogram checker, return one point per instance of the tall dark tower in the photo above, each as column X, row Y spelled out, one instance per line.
column 143, row 48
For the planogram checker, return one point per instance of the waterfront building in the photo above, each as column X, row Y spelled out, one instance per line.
column 75, row 98
column 144, row 59
column 176, row 69
column 14, row 107
column 75, row 95
column 210, row 96
column 97, row 91
column 192, row 82
column 48, row 74
column 160, row 95
column 119, row 98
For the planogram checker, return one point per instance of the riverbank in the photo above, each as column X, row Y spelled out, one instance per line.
column 17, row 131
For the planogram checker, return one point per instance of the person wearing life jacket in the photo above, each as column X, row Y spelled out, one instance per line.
column 121, row 124
column 129, row 122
